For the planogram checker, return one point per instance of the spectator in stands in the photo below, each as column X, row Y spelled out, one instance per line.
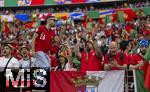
column 115, row 59
column 7, row 61
column 26, row 61
column 7, row 57
column 138, row 61
column 104, row 47
column 63, row 64
column 42, row 42
column 65, row 59
column 90, row 57
column 53, row 59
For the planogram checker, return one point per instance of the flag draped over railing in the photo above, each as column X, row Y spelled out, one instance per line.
column 97, row 81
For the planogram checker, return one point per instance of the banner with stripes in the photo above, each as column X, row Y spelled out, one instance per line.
column 9, row 3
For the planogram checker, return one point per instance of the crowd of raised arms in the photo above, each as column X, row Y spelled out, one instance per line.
column 85, row 45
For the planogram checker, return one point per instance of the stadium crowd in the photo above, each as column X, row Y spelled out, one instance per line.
column 86, row 45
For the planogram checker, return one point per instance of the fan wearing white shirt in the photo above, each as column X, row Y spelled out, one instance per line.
column 26, row 61
column 7, row 60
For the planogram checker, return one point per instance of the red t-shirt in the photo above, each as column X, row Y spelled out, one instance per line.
column 53, row 61
column 137, row 59
column 117, row 59
column 130, row 58
column 92, row 63
column 44, row 39
column 54, row 48
column 128, row 28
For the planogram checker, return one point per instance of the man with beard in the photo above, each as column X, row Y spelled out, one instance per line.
column 7, row 61
column 139, row 62
column 8, row 58
column 42, row 42
column 115, row 59
column 91, row 57
column 26, row 61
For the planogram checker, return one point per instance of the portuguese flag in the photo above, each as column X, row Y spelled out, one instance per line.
column 126, row 14
column 139, row 82
column 147, row 79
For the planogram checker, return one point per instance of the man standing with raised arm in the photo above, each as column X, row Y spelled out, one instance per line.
column 42, row 42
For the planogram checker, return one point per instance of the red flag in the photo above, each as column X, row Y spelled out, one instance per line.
column 29, row 25
column 84, row 24
column 64, row 17
column 147, row 79
column 108, row 32
column 37, row 2
column 114, row 17
column 6, row 28
column 129, row 14
column 101, row 20
column 128, row 28
column 61, row 81
column 78, row 1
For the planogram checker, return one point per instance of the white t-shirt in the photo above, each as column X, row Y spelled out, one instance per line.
column 12, row 63
column 26, row 63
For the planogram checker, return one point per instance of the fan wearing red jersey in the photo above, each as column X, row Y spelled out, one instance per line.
column 42, row 42
column 139, row 62
column 91, row 57
column 114, row 59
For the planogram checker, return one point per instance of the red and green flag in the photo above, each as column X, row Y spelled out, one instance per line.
column 147, row 79
column 5, row 27
column 126, row 15
column 139, row 81
column 130, row 14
